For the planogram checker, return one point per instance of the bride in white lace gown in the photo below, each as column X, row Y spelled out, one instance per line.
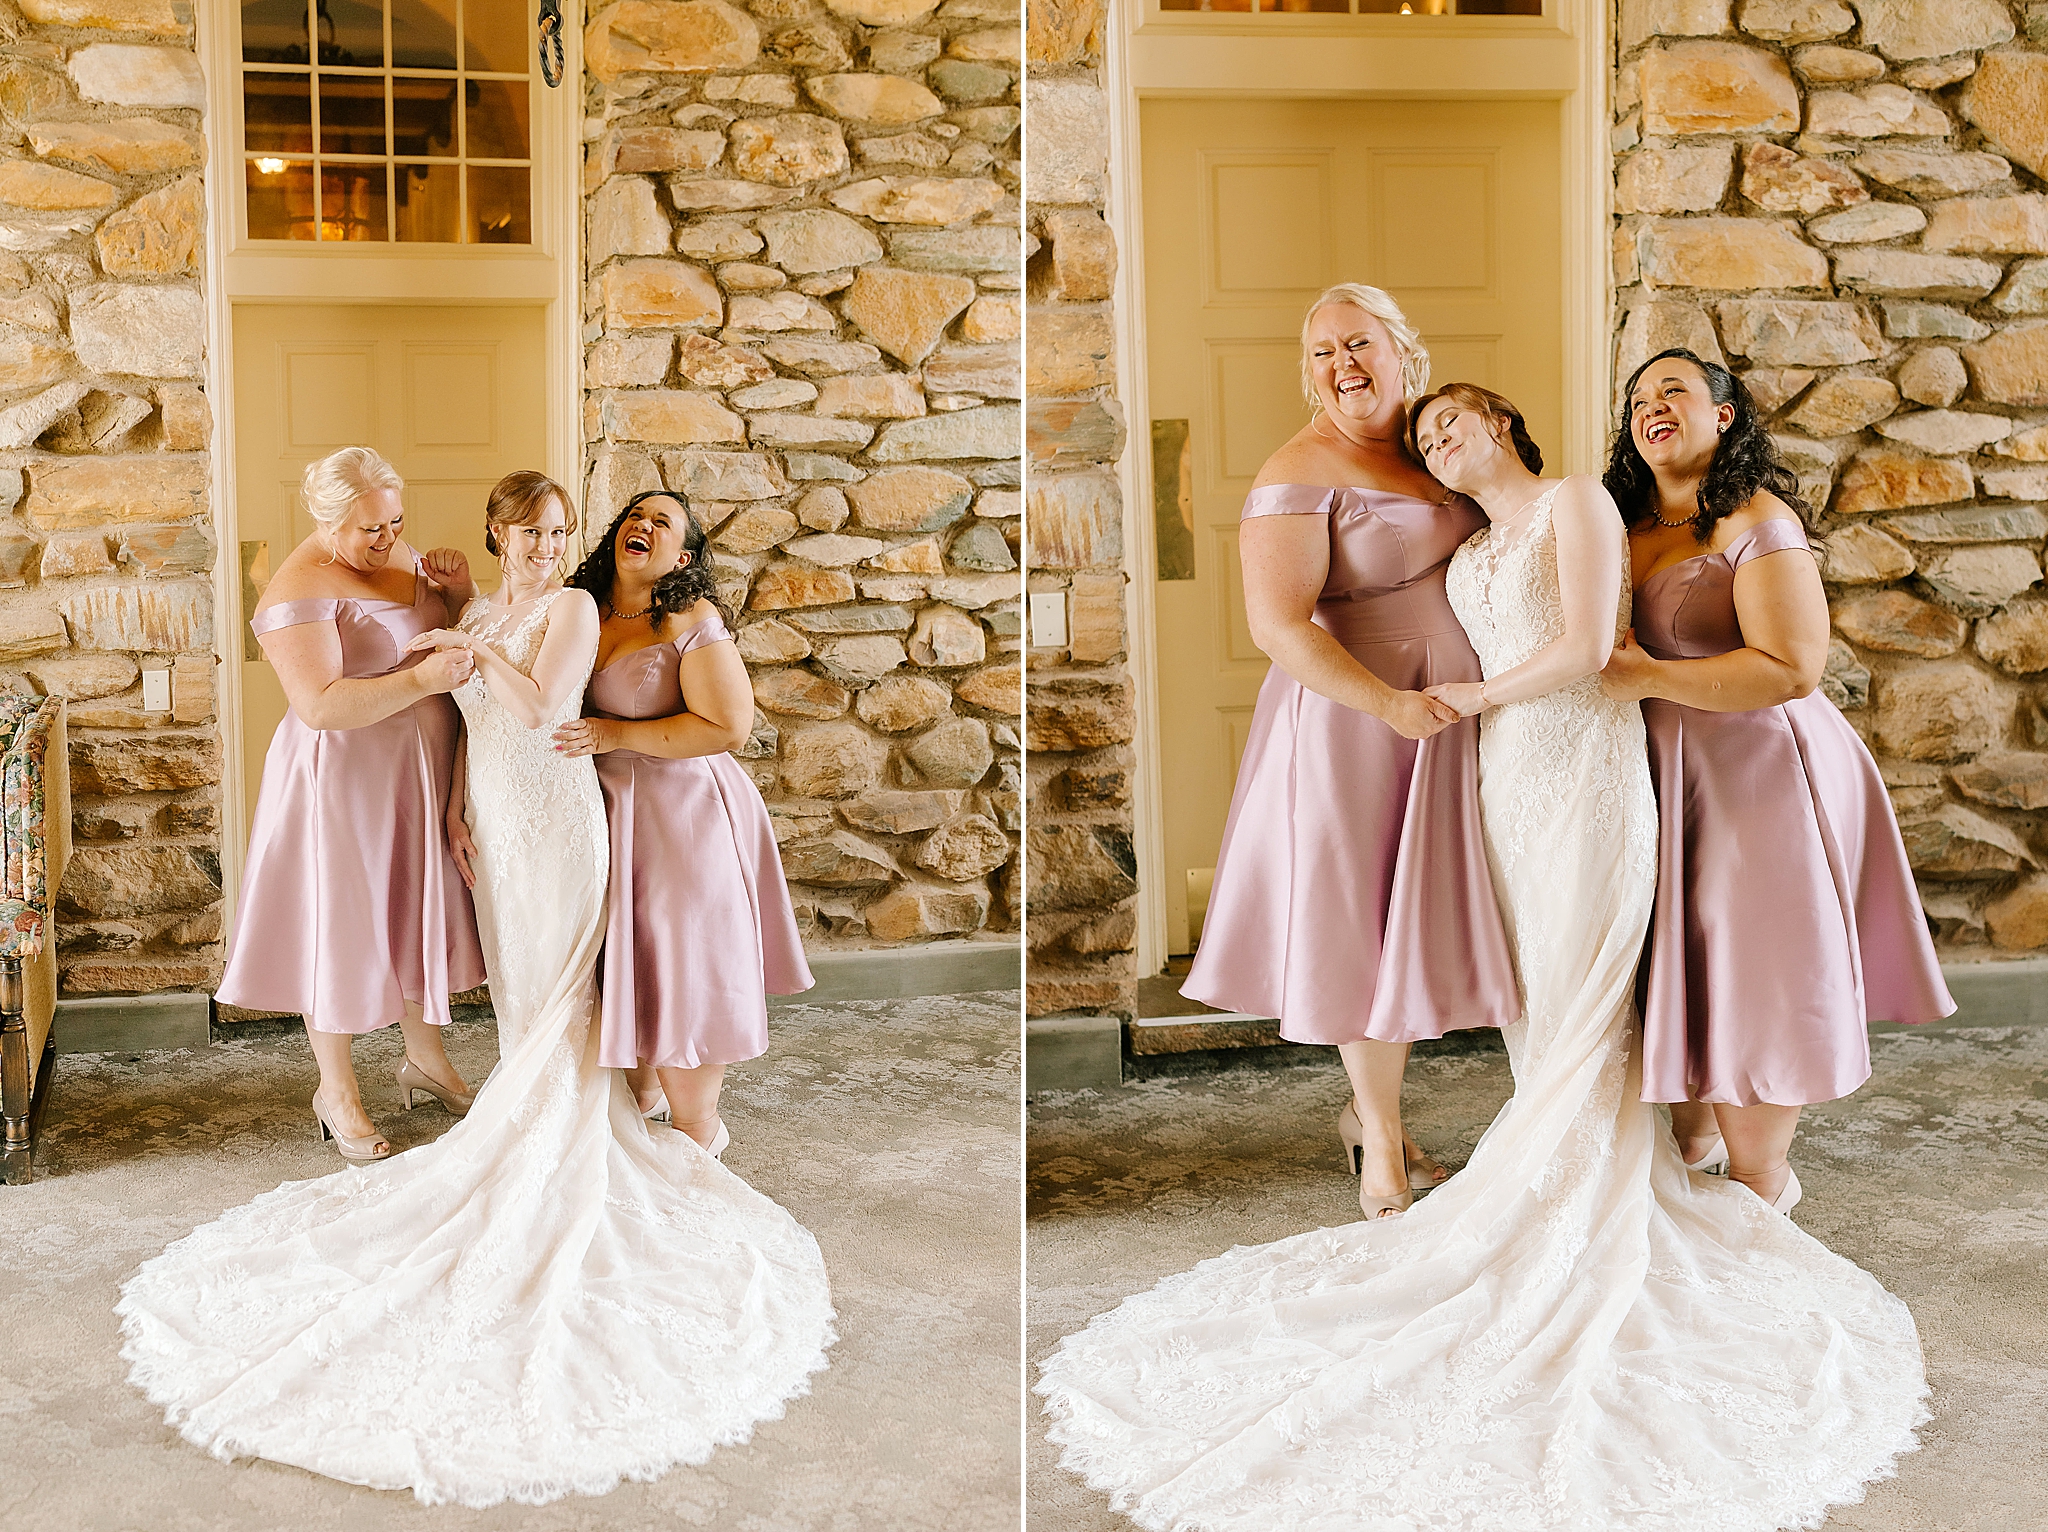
column 553, row 1296
column 1574, row 1332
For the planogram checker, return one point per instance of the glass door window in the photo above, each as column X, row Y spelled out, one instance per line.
column 386, row 121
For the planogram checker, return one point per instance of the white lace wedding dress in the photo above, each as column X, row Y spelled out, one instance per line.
column 550, row 1298
column 1573, row 1333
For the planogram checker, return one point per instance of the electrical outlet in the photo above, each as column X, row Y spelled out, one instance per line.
column 1049, row 619
column 156, row 691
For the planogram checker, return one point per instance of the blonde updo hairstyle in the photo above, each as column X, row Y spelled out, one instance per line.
column 1378, row 303
column 334, row 483
column 520, row 499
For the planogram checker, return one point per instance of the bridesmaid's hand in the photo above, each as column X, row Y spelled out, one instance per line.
column 463, row 850
column 1631, row 673
column 1417, row 715
column 1462, row 697
column 445, row 671
column 448, row 569
column 586, row 736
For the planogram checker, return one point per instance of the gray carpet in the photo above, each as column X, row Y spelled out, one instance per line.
column 1934, row 1176
column 889, row 1128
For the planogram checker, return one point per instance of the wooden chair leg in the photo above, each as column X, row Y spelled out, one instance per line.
column 16, row 1105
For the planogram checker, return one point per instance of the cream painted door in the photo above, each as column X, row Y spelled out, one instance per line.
column 1251, row 208
column 452, row 396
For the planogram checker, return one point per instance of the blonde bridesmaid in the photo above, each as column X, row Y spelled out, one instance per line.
column 352, row 913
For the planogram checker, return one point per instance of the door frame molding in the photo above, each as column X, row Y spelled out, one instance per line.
column 233, row 273
column 1142, row 61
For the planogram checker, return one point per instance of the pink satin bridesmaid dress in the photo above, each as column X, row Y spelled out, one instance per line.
column 1352, row 897
column 700, row 927
column 351, row 905
column 1786, row 918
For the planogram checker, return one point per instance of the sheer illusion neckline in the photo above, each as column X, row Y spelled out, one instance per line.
column 1489, row 553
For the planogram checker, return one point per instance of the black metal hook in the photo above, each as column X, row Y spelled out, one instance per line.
column 551, row 39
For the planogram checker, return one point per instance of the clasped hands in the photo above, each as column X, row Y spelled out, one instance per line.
column 453, row 661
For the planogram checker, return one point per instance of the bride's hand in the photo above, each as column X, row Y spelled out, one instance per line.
column 1417, row 715
column 1631, row 673
column 442, row 638
column 463, row 850
column 445, row 671
column 1463, row 697
column 586, row 736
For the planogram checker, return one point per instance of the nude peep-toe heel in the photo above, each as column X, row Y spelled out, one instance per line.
column 356, row 1150
column 1421, row 1170
column 411, row 1078
column 1713, row 1163
column 1354, row 1158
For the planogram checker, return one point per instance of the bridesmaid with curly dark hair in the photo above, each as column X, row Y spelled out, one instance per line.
column 1786, row 917
column 700, row 926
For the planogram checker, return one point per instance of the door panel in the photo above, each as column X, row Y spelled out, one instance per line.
column 1251, row 209
column 451, row 396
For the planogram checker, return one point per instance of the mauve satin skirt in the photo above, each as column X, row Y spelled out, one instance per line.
column 1786, row 917
column 700, row 925
column 351, row 905
column 1352, row 897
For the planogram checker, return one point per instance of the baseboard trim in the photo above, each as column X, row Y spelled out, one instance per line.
column 1086, row 1052
column 143, row 1023
column 133, row 1023
column 902, row 973
column 1991, row 994
column 1073, row 1053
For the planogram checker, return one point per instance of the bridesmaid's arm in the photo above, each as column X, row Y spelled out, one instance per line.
column 447, row 571
column 460, row 846
column 307, row 659
column 1783, row 614
column 720, row 714
column 1592, row 552
column 1286, row 560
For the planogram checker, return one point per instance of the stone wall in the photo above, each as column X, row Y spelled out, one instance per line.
column 1846, row 203
column 1081, row 708
column 803, row 311
column 105, row 541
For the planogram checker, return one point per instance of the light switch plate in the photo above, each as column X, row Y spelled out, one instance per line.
column 1049, row 619
column 156, row 691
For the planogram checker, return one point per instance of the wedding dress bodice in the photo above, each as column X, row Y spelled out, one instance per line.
column 537, row 814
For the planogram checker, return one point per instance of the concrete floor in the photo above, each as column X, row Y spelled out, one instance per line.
column 1934, row 1176
column 888, row 1127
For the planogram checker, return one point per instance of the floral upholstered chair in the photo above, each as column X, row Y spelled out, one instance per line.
column 35, row 841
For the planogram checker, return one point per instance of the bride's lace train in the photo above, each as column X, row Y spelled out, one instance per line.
column 547, row 1300
column 1573, row 1334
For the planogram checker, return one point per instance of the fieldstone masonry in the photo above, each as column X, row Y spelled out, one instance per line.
column 1081, row 708
column 803, row 312
column 1848, row 203
column 105, row 538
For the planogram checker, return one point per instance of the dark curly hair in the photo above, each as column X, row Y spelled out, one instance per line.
column 1745, row 460
column 678, row 590
column 1495, row 407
